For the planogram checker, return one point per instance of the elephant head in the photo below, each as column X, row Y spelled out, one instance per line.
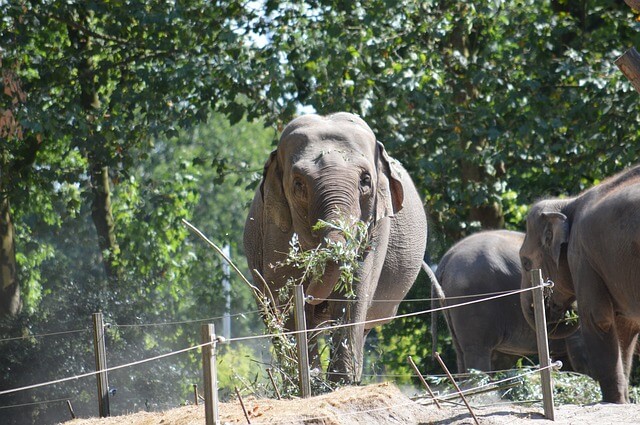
column 324, row 168
column 545, row 248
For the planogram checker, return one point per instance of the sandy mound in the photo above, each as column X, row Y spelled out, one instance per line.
column 374, row 404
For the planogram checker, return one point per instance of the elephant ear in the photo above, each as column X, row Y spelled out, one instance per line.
column 276, row 207
column 390, row 193
column 556, row 233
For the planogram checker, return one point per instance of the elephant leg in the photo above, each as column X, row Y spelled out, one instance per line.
column 477, row 357
column 600, row 334
column 502, row 361
column 472, row 343
column 313, row 339
column 347, row 354
column 577, row 354
column 459, row 356
column 628, row 336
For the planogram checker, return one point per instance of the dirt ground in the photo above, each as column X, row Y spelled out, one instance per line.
column 376, row 404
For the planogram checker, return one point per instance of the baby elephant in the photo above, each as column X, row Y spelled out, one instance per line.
column 491, row 335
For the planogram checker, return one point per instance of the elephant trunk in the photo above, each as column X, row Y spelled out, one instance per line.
column 331, row 204
column 321, row 289
column 558, row 326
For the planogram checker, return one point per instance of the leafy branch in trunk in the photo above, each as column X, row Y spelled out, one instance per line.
column 347, row 254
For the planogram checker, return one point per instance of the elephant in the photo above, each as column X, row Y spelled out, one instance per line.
column 325, row 167
column 491, row 335
column 589, row 246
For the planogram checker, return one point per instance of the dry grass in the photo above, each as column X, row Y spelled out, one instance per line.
column 373, row 404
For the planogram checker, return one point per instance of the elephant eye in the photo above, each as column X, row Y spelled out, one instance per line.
column 365, row 181
column 526, row 264
column 548, row 237
column 299, row 188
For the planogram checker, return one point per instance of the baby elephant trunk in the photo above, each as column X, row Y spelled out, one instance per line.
column 321, row 288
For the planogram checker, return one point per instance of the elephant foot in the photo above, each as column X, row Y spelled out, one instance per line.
column 615, row 395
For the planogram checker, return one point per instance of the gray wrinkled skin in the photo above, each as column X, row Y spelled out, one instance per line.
column 493, row 334
column 590, row 247
column 325, row 167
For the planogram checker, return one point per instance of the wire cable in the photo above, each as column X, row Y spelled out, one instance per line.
column 44, row 335
column 253, row 337
column 183, row 322
column 109, row 369
column 407, row 300
column 400, row 316
column 34, row 403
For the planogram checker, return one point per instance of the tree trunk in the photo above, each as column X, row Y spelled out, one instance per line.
column 103, row 220
column 12, row 134
column 10, row 302
column 490, row 215
column 101, row 204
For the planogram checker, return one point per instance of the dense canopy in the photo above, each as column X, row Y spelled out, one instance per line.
column 119, row 119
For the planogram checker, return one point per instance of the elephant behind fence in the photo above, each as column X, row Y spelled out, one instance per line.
column 324, row 168
column 492, row 335
column 589, row 245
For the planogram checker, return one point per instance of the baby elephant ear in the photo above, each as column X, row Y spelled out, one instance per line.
column 556, row 233
column 276, row 207
column 390, row 191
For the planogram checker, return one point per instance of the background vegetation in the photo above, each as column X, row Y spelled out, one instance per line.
column 118, row 119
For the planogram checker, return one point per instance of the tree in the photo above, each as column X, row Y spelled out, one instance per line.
column 10, row 166
column 507, row 91
column 171, row 281
column 101, row 80
column 489, row 105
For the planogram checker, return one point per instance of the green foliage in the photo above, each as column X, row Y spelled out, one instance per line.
column 489, row 105
column 312, row 263
column 170, row 276
column 568, row 388
column 486, row 104
column 347, row 254
column 523, row 385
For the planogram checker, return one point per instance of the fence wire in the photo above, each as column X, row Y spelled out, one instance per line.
column 35, row 403
column 17, row 338
column 389, row 318
column 109, row 369
column 328, row 328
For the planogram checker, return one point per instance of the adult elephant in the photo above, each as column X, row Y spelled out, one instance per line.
column 491, row 335
column 589, row 246
column 326, row 168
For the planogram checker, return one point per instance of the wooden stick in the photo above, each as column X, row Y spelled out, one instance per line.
column 70, row 407
column 424, row 383
column 273, row 382
column 209, row 365
column 302, row 343
column 100, row 352
column 543, row 343
column 457, row 387
column 244, row 410
column 629, row 64
column 634, row 4
column 195, row 393
column 219, row 251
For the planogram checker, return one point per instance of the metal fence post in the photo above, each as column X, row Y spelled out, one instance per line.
column 301, row 339
column 208, row 336
column 543, row 343
column 100, row 352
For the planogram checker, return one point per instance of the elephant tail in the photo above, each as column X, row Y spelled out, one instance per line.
column 437, row 300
